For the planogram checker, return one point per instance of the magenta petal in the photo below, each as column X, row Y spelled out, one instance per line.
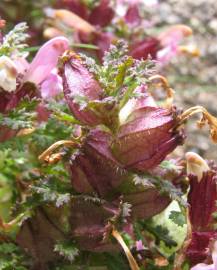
column 203, row 266
column 46, row 59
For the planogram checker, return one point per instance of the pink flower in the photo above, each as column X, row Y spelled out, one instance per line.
column 40, row 74
column 33, row 75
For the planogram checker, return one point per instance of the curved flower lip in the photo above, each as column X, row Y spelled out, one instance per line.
column 51, row 86
column 46, row 59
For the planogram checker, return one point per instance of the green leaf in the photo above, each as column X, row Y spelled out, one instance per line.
column 178, row 218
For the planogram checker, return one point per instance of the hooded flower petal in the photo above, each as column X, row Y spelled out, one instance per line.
column 46, row 59
column 169, row 41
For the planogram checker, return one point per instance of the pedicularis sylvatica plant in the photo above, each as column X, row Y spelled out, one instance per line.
column 90, row 175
